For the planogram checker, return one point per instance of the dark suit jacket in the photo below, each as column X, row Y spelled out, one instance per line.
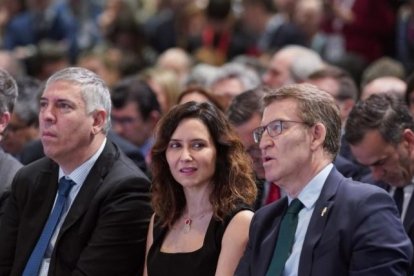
column 104, row 232
column 360, row 234
column 34, row 150
column 409, row 226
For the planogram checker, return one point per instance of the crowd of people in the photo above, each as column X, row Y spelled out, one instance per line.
column 216, row 137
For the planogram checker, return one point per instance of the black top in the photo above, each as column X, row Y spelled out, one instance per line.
column 202, row 262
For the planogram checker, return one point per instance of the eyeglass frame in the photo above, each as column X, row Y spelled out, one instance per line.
column 258, row 132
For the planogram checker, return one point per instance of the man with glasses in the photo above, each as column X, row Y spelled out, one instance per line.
column 23, row 127
column 327, row 224
column 245, row 113
column 135, row 113
column 380, row 131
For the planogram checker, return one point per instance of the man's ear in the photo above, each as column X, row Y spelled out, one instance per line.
column 318, row 132
column 154, row 116
column 408, row 139
column 347, row 106
column 99, row 119
column 4, row 121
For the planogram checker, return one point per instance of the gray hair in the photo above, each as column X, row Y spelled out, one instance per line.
column 200, row 75
column 305, row 62
column 248, row 77
column 27, row 105
column 8, row 92
column 94, row 91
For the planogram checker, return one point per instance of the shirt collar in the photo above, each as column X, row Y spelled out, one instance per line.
column 311, row 192
column 80, row 173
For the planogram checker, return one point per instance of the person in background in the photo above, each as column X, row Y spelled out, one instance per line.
column 165, row 85
column 8, row 164
column 85, row 207
column 409, row 93
column 380, row 131
column 202, row 190
column 347, row 227
column 387, row 85
column 135, row 113
column 291, row 64
column 245, row 114
column 343, row 89
column 197, row 94
column 177, row 60
column 383, row 67
column 232, row 79
column 23, row 127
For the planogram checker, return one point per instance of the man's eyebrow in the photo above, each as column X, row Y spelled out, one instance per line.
column 377, row 163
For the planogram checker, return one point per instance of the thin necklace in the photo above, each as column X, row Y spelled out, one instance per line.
column 189, row 221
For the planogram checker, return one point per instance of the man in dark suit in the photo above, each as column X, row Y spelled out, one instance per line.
column 380, row 131
column 340, row 227
column 8, row 164
column 102, row 220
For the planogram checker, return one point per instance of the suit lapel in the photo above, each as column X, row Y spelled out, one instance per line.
column 89, row 188
column 269, row 242
column 318, row 221
column 42, row 196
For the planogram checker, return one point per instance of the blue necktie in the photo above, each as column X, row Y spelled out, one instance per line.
column 36, row 258
column 285, row 238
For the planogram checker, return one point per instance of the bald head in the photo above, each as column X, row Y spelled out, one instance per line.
column 389, row 85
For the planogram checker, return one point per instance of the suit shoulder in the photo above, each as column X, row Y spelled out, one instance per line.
column 128, row 167
column 360, row 189
column 42, row 164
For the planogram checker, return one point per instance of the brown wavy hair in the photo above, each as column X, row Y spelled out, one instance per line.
column 233, row 178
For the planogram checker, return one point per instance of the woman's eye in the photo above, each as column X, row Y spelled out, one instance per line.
column 174, row 145
column 198, row 145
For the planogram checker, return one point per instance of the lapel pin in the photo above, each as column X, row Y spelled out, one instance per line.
column 325, row 209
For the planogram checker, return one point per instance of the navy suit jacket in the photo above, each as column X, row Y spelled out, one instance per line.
column 104, row 232
column 359, row 234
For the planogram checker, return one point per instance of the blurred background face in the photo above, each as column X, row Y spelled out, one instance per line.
column 278, row 73
column 129, row 124
column 18, row 134
column 245, row 132
column 226, row 89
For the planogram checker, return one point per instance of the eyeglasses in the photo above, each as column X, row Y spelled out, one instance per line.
column 124, row 121
column 274, row 128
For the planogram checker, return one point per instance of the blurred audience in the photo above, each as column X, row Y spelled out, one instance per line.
column 291, row 64
column 165, row 84
column 8, row 164
column 199, row 95
column 232, row 79
column 23, row 126
column 388, row 85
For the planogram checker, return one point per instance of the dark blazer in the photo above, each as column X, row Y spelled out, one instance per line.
column 409, row 226
column 105, row 230
column 34, row 150
column 359, row 234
